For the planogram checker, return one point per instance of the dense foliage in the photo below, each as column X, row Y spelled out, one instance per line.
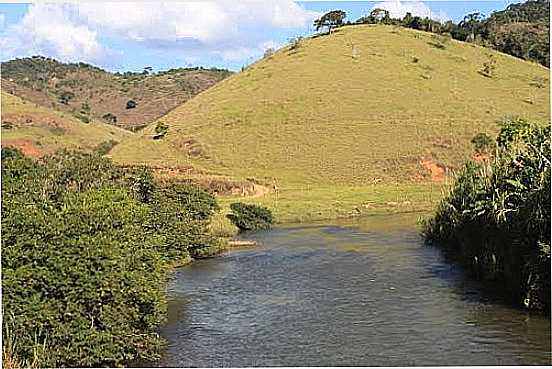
column 84, row 249
column 330, row 20
column 249, row 217
column 496, row 218
column 521, row 30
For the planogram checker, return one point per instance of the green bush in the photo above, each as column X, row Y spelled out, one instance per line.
column 110, row 118
column 249, row 217
column 496, row 218
column 105, row 147
column 482, row 143
column 84, row 247
column 131, row 104
column 161, row 130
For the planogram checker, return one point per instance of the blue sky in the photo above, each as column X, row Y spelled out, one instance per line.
column 128, row 36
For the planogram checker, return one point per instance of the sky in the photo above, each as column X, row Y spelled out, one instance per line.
column 128, row 36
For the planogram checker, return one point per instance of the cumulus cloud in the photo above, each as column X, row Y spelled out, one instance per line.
column 398, row 9
column 73, row 31
column 51, row 29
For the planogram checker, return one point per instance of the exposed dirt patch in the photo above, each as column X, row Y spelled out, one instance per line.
column 437, row 171
column 27, row 147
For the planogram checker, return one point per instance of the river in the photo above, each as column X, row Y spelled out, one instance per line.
column 356, row 293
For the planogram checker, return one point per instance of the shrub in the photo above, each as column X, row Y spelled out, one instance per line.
column 496, row 218
column 248, row 217
column 84, row 247
column 131, row 104
column 105, row 147
column 65, row 97
column 161, row 130
column 110, row 118
column 482, row 143
column 488, row 69
column 295, row 43
column 83, row 118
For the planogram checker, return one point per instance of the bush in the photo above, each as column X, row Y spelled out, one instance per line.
column 65, row 97
column 161, row 130
column 488, row 69
column 248, row 217
column 482, row 143
column 131, row 104
column 496, row 218
column 84, row 248
column 110, row 118
column 295, row 43
column 105, row 147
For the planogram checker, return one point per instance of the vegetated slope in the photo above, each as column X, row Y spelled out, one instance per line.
column 37, row 130
column 366, row 105
column 522, row 30
column 93, row 93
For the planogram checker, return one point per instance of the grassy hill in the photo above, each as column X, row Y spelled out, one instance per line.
column 360, row 119
column 89, row 92
column 38, row 130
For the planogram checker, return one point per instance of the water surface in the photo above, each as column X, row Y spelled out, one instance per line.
column 364, row 293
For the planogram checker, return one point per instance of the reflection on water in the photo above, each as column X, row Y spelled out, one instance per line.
column 365, row 294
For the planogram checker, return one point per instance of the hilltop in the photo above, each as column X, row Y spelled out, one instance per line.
column 366, row 110
column 38, row 131
column 128, row 100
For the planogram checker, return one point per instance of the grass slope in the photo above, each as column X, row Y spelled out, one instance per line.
column 39, row 131
column 367, row 104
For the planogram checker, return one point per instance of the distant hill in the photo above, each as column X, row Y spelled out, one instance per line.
column 38, row 131
column 128, row 100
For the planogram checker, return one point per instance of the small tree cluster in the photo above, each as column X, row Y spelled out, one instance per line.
column 249, row 217
column 330, row 20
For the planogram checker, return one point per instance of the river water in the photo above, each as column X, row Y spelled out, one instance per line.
column 358, row 293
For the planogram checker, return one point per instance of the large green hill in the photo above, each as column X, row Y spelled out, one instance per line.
column 365, row 109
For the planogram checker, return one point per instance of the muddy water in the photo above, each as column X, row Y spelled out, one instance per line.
column 366, row 293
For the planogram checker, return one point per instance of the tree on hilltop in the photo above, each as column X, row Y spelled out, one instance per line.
column 331, row 20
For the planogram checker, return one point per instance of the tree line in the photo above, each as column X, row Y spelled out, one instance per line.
column 521, row 30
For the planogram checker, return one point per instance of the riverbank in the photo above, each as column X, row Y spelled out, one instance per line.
column 302, row 204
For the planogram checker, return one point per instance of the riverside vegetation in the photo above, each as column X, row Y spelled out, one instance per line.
column 496, row 218
column 86, row 245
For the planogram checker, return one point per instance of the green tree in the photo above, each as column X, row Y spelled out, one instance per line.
column 330, row 20
column 249, row 217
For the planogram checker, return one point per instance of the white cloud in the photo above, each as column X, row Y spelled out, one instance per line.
column 231, row 29
column 49, row 29
column 398, row 9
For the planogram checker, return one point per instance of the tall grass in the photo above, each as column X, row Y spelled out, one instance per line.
column 496, row 218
